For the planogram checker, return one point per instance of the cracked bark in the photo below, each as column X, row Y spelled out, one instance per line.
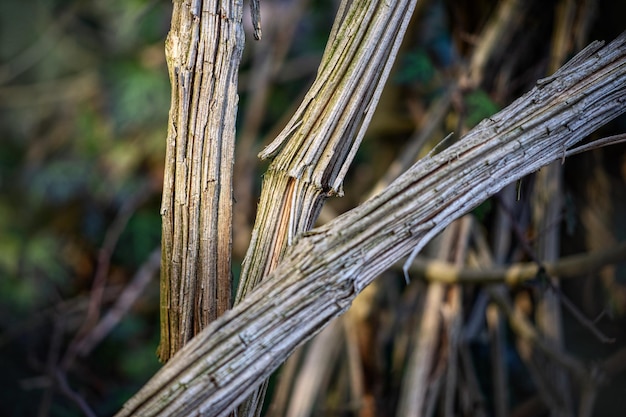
column 203, row 50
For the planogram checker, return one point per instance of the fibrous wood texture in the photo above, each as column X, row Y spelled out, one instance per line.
column 313, row 152
column 203, row 50
column 322, row 272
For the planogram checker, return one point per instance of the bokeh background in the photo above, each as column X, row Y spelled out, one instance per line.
column 84, row 99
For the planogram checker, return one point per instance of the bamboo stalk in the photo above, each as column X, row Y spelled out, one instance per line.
column 312, row 153
column 196, row 208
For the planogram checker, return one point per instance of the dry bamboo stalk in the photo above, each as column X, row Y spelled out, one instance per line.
column 326, row 268
column 203, row 50
column 313, row 152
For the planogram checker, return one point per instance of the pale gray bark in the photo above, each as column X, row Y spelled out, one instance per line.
column 322, row 272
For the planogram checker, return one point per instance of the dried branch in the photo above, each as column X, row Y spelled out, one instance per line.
column 65, row 388
column 203, row 50
column 268, row 58
column 326, row 268
column 588, row 379
column 313, row 152
column 122, row 305
column 255, row 11
column 102, row 272
column 568, row 267
column 598, row 143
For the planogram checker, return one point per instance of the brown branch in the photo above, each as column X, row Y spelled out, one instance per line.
column 122, row 305
column 326, row 268
column 65, row 388
column 312, row 153
column 568, row 267
column 203, row 50
column 102, row 272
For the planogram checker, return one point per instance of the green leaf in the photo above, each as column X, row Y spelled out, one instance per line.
column 479, row 106
column 416, row 67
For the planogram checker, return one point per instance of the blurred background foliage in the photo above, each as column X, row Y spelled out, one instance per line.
column 84, row 98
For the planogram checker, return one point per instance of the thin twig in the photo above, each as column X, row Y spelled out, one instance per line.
column 571, row 307
column 102, row 270
column 123, row 303
column 65, row 388
column 583, row 320
column 598, row 143
column 255, row 11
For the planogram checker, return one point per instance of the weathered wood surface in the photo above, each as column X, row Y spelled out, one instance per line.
column 311, row 155
column 203, row 51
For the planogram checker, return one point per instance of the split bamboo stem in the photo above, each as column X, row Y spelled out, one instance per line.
column 203, row 51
